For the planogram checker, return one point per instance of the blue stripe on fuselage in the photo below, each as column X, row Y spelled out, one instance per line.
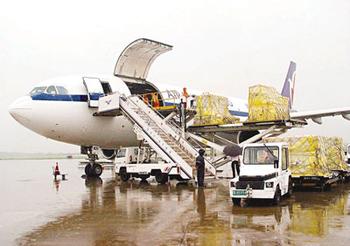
column 66, row 98
column 95, row 96
column 238, row 113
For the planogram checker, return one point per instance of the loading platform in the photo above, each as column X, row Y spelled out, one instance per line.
column 171, row 142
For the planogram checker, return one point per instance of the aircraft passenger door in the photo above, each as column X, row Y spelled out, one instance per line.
column 95, row 91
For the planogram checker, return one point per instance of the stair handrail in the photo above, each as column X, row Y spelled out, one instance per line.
column 179, row 136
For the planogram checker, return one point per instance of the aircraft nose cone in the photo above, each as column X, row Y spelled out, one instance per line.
column 20, row 108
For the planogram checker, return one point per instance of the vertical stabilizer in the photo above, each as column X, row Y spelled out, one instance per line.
column 289, row 83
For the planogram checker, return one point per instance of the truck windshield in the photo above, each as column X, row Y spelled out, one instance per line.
column 121, row 153
column 260, row 155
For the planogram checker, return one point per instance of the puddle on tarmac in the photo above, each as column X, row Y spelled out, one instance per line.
column 108, row 212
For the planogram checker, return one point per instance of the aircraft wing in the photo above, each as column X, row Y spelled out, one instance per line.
column 317, row 115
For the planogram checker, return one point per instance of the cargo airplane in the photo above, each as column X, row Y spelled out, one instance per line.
column 62, row 109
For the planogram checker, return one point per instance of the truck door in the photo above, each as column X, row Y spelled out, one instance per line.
column 284, row 173
column 94, row 89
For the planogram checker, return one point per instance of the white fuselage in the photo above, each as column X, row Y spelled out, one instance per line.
column 68, row 118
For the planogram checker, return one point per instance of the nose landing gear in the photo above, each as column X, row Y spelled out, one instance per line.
column 93, row 169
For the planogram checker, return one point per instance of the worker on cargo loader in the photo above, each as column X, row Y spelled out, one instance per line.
column 200, row 165
column 145, row 99
column 185, row 96
column 155, row 100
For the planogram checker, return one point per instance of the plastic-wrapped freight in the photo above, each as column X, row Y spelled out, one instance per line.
column 266, row 104
column 314, row 155
column 213, row 110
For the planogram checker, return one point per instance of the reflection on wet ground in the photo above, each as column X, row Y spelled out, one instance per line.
column 109, row 212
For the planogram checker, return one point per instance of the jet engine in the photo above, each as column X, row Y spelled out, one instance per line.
column 108, row 154
column 238, row 137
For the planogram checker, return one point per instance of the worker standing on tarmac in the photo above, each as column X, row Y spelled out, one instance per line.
column 56, row 171
column 200, row 165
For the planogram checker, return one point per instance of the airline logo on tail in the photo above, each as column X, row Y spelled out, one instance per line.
column 289, row 83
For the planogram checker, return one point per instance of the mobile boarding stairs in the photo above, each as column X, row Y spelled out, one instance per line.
column 163, row 137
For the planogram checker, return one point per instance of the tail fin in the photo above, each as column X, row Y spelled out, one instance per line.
column 289, row 83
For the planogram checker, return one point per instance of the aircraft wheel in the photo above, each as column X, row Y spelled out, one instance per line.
column 97, row 170
column 161, row 178
column 277, row 198
column 88, row 170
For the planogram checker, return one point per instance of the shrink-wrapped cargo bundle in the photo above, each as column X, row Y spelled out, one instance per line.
column 314, row 155
column 213, row 110
column 266, row 104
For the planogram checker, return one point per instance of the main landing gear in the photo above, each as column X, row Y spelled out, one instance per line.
column 93, row 169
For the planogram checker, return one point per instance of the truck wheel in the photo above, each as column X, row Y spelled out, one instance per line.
column 325, row 187
column 277, row 197
column 124, row 176
column 161, row 178
column 290, row 187
column 236, row 201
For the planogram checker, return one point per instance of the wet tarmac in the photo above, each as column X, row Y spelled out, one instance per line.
column 35, row 210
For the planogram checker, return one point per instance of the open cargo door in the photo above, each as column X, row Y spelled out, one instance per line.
column 136, row 59
column 94, row 89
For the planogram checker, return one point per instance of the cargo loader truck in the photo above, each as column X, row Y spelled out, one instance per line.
column 143, row 162
column 264, row 173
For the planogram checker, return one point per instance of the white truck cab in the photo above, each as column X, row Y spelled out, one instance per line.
column 264, row 173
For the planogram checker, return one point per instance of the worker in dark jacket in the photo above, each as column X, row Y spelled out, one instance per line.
column 200, row 165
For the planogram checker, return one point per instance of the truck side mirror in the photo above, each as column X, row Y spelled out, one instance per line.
column 275, row 164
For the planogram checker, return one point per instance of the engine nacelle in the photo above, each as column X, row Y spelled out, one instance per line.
column 108, row 154
column 245, row 135
column 238, row 137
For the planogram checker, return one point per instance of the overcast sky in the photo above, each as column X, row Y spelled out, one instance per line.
column 219, row 46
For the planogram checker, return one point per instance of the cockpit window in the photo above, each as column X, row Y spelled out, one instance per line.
column 51, row 90
column 38, row 90
column 61, row 90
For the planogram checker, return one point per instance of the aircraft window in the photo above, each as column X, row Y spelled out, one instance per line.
column 51, row 90
column 61, row 90
column 38, row 90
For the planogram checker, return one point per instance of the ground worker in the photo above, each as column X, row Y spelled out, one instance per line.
column 200, row 165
